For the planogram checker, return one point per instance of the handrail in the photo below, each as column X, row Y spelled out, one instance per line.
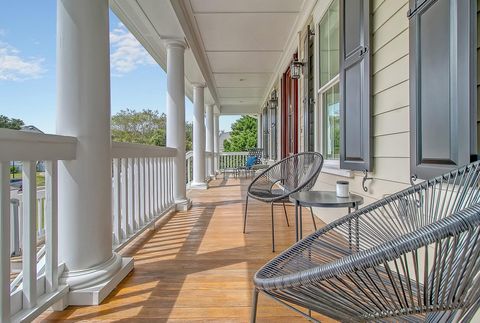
column 22, row 145
column 236, row 153
column 130, row 150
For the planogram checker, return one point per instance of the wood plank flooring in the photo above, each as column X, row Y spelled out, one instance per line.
column 198, row 266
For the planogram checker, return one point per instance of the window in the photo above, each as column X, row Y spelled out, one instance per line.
column 331, row 108
column 329, row 81
column 308, row 90
column 329, row 44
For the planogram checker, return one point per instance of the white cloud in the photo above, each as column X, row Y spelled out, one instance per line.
column 126, row 52
column 14, row 67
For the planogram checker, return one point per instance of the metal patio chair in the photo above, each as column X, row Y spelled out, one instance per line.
column 292, row 174
column 412, row 256
column 250, row 169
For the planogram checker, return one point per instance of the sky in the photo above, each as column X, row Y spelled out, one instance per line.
column 27, row 67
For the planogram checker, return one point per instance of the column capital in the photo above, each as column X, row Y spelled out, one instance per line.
column 175, row 43
column 199, row 85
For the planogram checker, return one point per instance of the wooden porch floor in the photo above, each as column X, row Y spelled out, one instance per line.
column 198, row 266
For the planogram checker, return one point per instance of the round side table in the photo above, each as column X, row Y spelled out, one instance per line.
column 327, row 199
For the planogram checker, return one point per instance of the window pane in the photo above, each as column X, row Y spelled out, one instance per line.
column 331, row 104
column 329, row 44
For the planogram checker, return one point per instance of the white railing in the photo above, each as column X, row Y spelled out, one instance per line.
column 232, row 159
column 142, row 192
column 189, row 165
column 38, row 289
column 16, row 219
column 142, row 188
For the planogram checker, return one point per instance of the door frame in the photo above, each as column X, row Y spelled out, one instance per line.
column 290, row 135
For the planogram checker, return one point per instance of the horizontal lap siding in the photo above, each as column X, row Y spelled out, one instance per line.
column 478, row 74
column 390, row 111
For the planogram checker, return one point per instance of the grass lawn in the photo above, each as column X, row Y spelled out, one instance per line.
column 40, row 177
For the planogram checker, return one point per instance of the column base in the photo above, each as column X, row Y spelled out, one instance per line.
column 92, row 286
column 198, row 186
column 183, row 205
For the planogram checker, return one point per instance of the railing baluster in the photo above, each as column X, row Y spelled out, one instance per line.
column 147, row 189
column 124, row 218
column 39, row 205
column 161, row 175
column 29, row 251
column 164, row 183
column 5, row 242
column 51, row 226
column 170, row 181
column 15, row 232
column 155, row 186
column 142, row 190
column 151, row 192
column 117, row 201
column 138, row 222
column 131, row 193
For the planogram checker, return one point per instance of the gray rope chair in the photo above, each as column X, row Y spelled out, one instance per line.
column 413, row 256
column 292, row 174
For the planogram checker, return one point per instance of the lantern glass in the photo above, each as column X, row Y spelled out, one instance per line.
column 273, row 104
column 296, row 69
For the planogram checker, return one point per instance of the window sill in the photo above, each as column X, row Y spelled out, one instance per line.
column 337, row 171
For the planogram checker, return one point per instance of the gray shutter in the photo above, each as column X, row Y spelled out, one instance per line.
column 442, row 103
column 355, row 79
column 305, row 90
column 308, row 91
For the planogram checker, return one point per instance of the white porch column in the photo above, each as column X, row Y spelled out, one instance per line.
column 176, row 118
column 209, row 122
column 198, row 138
column 85, row 184
column 259, row 131
column 216, row 142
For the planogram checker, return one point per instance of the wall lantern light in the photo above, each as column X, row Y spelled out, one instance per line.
column 296, row 69
column 273, row 102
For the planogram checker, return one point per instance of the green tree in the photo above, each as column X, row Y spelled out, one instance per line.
column 243, row 136
column 13, row 170
column 144, row 127
column 10, row 123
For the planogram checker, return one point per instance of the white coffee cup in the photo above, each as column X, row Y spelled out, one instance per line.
column 342, row 189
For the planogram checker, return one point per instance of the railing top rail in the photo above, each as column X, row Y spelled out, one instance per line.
column 188, row 154
column 129, row 150
column 22, row 145
column 236, row 153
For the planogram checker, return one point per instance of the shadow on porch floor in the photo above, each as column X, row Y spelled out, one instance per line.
column 198, row 266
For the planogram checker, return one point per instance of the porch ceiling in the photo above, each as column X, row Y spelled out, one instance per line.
column 236, row 47
column 243, row 42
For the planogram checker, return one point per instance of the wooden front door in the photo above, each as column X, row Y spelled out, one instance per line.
column 289, row 115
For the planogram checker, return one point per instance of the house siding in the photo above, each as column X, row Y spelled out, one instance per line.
column 390, row 110
column 478, row 76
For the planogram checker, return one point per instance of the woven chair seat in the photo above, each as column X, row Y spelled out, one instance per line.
column 275, row 184
column 413, row 256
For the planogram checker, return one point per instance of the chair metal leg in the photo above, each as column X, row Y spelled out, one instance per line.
column 245, row 216
column 253, row 317
column 273, row 229
column 286, row 215
column 313, row 219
